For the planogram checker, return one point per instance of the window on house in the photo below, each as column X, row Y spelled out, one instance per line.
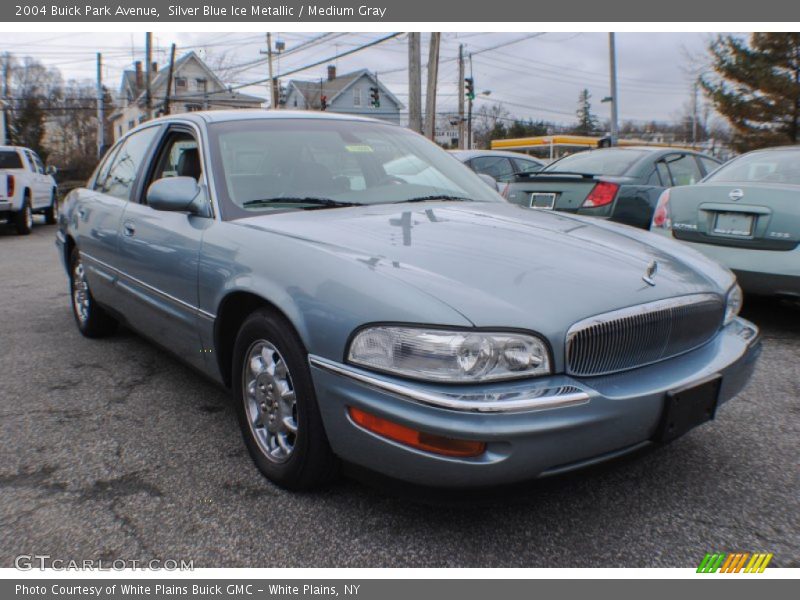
column 357, row 96
column 200, row 84
column 193, row 107
column 131, row 124
column 180, row 83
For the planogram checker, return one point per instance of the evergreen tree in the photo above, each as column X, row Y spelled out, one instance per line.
column 587, row 121
column 756, row 87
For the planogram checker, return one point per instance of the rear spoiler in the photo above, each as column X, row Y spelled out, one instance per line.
column 552, row 175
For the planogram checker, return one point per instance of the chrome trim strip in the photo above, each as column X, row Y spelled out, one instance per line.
column 147, row 286
column 531, row 399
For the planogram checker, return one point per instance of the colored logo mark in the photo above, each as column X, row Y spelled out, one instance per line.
column 738, row 562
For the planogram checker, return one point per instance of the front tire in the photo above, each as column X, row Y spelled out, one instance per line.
column 277, row 406
column 92, row 320
column 51, row 212
column 23, row 219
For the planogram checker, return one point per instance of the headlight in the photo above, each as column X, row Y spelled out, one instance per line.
column 449, row 355
column 733, row 303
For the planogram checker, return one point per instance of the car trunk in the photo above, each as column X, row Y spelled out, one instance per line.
column 559, row 191
column 763, row 216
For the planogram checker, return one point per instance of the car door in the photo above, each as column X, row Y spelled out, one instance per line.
column 43, row 187
column 96, row 215
column 159, row 252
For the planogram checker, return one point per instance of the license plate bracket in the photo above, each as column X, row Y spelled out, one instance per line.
column 734, row 224
column 688, row 407
column 543, row 200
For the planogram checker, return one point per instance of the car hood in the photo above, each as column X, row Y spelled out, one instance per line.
column 503, row 265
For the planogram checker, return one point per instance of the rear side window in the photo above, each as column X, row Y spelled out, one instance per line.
column 498, row 167
column 125, row 166
column 708, row 164
column 9, row 159
column 684, row 169
column 526, row 166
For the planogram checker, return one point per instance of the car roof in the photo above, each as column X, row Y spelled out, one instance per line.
column 220, row 116
column 467, row 154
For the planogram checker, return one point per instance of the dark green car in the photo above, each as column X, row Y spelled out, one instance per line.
column 621, row 184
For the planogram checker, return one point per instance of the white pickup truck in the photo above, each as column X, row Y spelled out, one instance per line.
column 26, row 187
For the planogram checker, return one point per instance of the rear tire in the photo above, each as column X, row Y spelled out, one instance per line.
column 92, row 320
column 23, row 219
column 277, row 406
column 51, row 212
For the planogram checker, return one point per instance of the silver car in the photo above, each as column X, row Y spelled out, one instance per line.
column 363, row 309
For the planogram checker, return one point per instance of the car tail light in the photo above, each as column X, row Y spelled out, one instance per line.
column 416, row 439
column 10, row 184
column 662, row 218
column 602, row 193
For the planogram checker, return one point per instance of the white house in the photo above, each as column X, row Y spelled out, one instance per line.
column 349, row 93
column 193, row 87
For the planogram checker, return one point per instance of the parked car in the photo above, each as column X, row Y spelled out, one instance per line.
column 620, row 184
column 498, row 164
column 745, row 215
column 425, row 329
column 26, row 188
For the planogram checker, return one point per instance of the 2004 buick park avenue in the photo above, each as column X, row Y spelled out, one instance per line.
column 368, row 298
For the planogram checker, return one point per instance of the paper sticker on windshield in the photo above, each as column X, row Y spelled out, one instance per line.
column 359, row 148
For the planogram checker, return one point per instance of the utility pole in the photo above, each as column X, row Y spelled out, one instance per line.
column 6, row 98
column 694, row 113
column 148, row 71
column 101, row 113
column 430, row 93
column 414, row 83
column 612, row 64
column 470, row 97
column 170, row 74
column 273, row 100
column 461, row 75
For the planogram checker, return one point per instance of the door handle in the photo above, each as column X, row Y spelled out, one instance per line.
column 128, row 228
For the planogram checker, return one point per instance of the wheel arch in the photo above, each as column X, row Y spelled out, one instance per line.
column 233, row 310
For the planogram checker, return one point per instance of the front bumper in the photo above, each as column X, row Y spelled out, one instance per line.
column 578, row 421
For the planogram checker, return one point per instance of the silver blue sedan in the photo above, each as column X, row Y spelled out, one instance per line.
column 367, row 298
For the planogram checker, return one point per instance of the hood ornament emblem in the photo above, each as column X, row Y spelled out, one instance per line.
column 650, row 273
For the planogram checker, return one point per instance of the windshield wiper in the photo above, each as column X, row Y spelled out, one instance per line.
column 312, row 202
column 434, row 198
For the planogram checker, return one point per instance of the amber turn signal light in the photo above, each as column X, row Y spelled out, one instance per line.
column 416, row 439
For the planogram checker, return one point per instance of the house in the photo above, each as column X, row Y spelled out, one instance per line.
column 194, row 86
column 349, row 94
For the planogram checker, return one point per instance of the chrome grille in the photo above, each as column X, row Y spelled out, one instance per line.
column 641, row 335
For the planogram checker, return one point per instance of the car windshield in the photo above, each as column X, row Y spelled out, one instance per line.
column 611, row 162
column 9, row 159
column 776, row 166
column 305, row 163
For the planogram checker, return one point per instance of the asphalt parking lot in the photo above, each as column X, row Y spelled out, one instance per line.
column 113, row 449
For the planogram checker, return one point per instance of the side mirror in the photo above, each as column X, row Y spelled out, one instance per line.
column 490, row 181
column 50, row 170
column 177, row 194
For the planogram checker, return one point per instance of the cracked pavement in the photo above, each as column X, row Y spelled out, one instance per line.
column 113, row 449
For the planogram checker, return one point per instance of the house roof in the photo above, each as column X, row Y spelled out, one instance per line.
column 312, row 90
column 129, row 83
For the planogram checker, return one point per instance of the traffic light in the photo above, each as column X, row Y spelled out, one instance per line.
column 469, row 85
column 375, row 96
column 323, row 102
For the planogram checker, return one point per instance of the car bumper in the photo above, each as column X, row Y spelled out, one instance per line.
column 766, row 272
column 578, row 421
column 7, row 206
